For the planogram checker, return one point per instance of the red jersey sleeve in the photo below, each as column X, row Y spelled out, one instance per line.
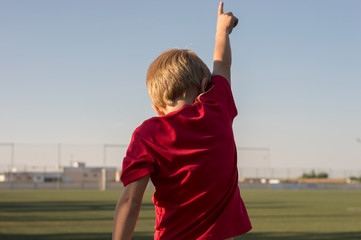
column 220, row 93
column 136, row 163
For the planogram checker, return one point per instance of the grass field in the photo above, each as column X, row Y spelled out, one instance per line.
column 275, row 214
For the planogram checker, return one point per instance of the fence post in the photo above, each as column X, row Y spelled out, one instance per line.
column 104, row 179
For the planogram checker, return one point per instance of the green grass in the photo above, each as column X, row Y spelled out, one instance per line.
column 275, row 214
column 296, row 214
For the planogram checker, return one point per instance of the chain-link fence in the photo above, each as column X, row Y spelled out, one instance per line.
column 252, row 162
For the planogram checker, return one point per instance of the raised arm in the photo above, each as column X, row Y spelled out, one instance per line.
column 127, row 210
column 222, row 58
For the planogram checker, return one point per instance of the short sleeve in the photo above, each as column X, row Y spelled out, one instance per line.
column 220, row 92
column 136, row 163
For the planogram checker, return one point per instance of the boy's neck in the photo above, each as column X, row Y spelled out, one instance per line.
column 188, row 99
column 180, row 102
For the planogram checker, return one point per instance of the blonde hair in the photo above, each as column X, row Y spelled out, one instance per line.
column 173, row 74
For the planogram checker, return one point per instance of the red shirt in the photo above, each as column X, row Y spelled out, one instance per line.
column 191, row 157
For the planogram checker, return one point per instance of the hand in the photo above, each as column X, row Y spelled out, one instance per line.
column 226, row 21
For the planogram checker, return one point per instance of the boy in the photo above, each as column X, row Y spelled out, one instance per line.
column 188, row 151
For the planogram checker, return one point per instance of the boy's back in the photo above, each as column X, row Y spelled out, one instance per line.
column 191, row 157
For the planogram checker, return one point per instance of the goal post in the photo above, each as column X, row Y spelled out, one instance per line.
column 106, row 154
column 7, row 157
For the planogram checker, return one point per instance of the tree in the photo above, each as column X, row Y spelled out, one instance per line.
column 313, row 174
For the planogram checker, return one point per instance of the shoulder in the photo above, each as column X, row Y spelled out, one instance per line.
column 219, row 79
column 218, row 88
column 219, row 93
column 148, row 127
column 152, row 130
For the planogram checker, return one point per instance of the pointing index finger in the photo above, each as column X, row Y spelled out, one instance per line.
column 220, row 8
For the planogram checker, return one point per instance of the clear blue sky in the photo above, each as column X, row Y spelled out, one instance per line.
column 74, row 71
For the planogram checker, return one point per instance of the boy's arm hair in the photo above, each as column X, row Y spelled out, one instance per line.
column 127, row 210
column 222, row 57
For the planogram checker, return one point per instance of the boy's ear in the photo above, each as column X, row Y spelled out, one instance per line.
column 158, row 110
column 204, row 84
